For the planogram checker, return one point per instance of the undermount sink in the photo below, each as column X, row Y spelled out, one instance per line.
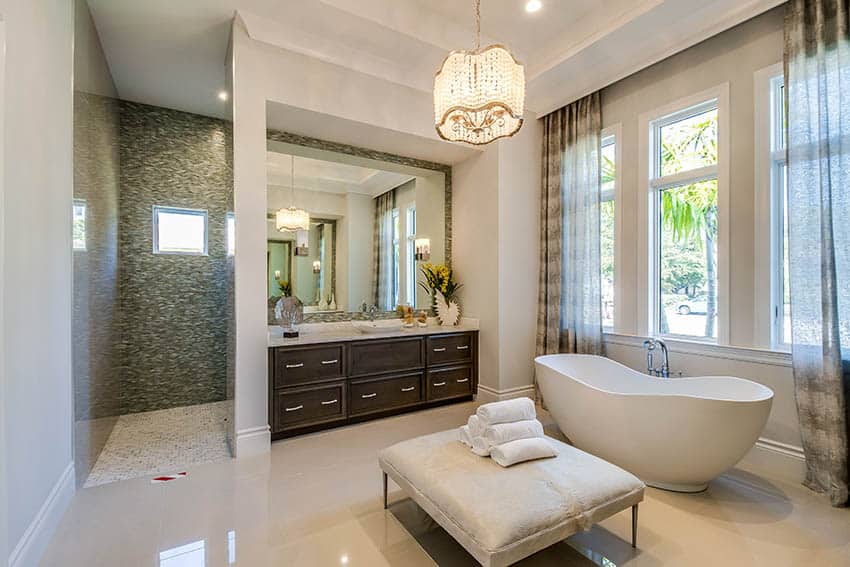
column 377, row 327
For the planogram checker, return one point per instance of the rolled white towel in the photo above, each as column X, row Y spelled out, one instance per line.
column 518, row 409
column 522, row 450
column 507, row 432
column 480, row 447
column 475, row 426
column 464, row 436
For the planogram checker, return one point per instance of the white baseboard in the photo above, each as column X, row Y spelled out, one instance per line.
column 487, row 395
column 37, row 536
column 253, row 441
column 777, row 460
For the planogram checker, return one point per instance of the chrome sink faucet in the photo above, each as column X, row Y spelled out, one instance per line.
column 373, row 310
column 650, row 345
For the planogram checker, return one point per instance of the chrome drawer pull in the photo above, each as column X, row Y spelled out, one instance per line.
column 408, row 389
column 439, row 383
column 462, row 381
column 364, row 396
column 299, row 365
column 329, row 402
column 443, row 349
column 334, row 361
column 464, row 347
column 296, row 408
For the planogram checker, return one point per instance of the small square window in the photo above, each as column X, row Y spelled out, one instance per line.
column 79, row 224
column 179, row 231
column 230, row 230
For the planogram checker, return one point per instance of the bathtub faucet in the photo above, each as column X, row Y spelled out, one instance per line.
column 650, row 345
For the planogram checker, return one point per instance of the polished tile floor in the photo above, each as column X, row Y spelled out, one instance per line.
column 316, row 501
column 160, row 441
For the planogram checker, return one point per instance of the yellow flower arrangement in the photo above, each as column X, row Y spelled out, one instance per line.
column 439, row 277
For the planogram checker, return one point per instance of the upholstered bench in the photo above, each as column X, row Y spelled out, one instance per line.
column 501, row 515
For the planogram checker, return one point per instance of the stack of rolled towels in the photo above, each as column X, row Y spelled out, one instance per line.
column 508, row 432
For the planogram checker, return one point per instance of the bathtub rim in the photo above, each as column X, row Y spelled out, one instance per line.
column 768, row 393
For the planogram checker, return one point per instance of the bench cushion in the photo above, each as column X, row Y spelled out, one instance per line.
column 501, row 515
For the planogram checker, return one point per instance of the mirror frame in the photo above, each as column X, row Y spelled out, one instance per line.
column 281, row 136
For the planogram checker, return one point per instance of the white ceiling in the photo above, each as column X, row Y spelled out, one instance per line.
column 330, row 177
column 172, row 54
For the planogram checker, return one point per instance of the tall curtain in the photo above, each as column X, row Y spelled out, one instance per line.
column 817, row 71
column 383, row 253
column 569, row 305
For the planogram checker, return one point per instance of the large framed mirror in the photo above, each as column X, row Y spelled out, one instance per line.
column 375, row 218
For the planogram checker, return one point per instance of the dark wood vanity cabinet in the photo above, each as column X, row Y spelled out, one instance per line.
column 325, row 385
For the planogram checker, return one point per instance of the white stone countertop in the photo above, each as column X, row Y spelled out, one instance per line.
column 317, row 333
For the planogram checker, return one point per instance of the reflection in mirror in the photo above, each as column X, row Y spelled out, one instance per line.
column 373, row 223
column 306, row 268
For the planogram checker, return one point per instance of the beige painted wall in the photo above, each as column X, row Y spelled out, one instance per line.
column 37, row 270
column 495, row 236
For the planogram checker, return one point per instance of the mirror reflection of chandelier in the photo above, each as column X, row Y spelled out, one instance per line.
column 291, row 218
column 479, row 95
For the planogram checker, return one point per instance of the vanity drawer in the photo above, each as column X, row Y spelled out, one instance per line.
column 372, row 395
column 306, row 406
column 449, row 382
column 302, row 365
column 385, row 355
column 444, row 349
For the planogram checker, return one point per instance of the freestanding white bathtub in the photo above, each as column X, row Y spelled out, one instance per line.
column 673, row 433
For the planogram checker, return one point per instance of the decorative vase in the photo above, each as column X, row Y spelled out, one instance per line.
column 289, row 311
column 447, row 311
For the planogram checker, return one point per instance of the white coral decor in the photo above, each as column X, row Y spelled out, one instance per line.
column 447, row 311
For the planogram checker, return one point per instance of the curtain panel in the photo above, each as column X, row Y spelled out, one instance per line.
column 817, row 79
column 569, row 303
column 383, row 254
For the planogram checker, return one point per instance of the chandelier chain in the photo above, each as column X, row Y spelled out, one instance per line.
column 477, row 5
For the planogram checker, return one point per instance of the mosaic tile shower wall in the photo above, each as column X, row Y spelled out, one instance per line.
column 174, row 308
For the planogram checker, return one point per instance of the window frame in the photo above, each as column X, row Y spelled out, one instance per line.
column 650, row 184
column 615, row 132
column 157, row 209
column 80, row 203
column 770, row 158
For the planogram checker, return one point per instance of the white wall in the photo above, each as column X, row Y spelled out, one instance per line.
column 355, row 258
column 495, row 234
column 431, row 222
column 38, row 185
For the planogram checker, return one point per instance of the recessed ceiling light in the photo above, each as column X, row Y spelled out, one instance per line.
column 533, row 5
column 222, row 95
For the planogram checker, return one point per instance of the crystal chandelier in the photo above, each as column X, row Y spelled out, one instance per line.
column 479, row 95
column 292, row 219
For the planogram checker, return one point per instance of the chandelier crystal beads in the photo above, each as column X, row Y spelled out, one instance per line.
column 479, row 95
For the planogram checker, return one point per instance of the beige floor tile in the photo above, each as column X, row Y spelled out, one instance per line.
column 316, row 501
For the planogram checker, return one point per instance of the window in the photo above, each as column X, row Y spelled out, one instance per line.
column 772, row 308
column 79, row 224
column 230, row 230
column 411, row 255
column 608, row 173
column 396, row 254
column 684, row 203
column 779, row 294
column 179, row 231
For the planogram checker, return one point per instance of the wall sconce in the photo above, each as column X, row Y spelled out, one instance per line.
column 317, row 267
column 302, row 247
column 422, row 247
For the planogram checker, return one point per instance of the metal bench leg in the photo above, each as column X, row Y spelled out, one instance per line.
column 634, row 520
column 385, row 491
